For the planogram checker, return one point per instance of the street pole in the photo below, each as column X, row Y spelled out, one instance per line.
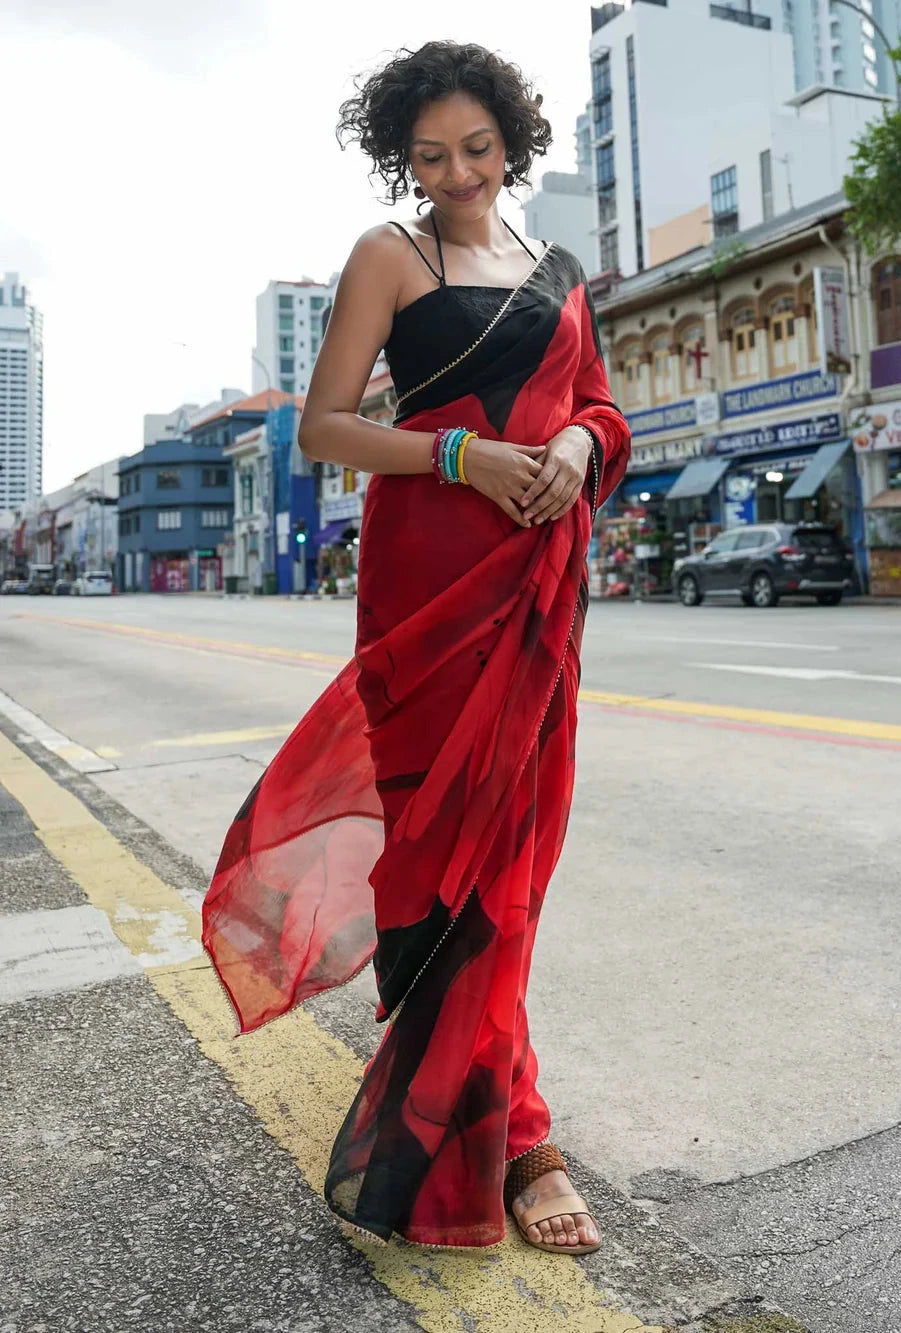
column 270, row 450
column 888, row 46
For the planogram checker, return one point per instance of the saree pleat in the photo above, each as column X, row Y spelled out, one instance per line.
column 416, row 814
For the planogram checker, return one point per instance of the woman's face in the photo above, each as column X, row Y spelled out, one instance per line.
column 458, row 156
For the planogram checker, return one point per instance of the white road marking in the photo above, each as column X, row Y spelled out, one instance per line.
column 735, row 643
column 63, row 949
column 797, row 673
column 36, row 729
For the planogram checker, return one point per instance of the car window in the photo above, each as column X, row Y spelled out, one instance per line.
column 749, row 539
column 814, row 539
column 724, row 542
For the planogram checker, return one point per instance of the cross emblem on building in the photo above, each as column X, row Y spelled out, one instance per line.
column 697, row 354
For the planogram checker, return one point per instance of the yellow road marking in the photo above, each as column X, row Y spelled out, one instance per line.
column 108, row 752
column 299, row 1080
column 837, row 726
column 223, row 737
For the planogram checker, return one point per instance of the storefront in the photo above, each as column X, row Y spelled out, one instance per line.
column 877, row 445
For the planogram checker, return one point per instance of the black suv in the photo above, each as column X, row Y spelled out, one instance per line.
column 765, row 561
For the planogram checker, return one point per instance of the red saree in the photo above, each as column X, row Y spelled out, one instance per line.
column 417, row 812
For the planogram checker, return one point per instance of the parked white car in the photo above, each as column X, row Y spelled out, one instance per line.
column 93, row 583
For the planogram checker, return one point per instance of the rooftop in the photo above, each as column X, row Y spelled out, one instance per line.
column 256, row 403
column 695, row 263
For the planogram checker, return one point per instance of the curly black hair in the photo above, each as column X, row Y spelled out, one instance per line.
column 382, row 115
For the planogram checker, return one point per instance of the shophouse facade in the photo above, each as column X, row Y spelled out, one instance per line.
column 715, row 360
column 342, row 494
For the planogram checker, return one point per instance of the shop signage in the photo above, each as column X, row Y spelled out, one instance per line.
column 707, row 409
column 877, row 427
column 831, row 300
column 344, row 506
column 674, row 416
column 807, row 430
column 668, row 451
column 739, row 491
column 787, row 392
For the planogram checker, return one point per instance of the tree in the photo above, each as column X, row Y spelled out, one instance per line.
column 873, row 185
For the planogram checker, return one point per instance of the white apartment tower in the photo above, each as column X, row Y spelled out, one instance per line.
column 698, row 129
column 21, row 395
column 835, row 45
column 291, row 320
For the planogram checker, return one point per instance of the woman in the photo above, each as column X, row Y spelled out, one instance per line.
column 416, row 813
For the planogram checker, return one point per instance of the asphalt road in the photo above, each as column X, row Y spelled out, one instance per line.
column 715, row 995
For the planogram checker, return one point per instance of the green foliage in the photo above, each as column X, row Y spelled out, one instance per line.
column 725, row 255
column 873, row 185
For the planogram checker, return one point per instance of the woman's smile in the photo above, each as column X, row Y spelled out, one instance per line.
column 464, row 196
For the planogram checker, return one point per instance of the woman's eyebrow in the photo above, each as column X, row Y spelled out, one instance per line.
column 437, row 143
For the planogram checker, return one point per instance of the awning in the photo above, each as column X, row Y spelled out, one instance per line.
column 332, row 531
column 698, row 478
column 817, row 470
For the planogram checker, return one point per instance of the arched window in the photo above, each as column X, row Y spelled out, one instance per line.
column 744, row 358
column 632, row 377
column 662, row 368
column 690, row 339
column 887, row 299
column 783, row 337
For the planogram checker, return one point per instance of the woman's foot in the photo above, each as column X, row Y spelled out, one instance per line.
column 567, row 1229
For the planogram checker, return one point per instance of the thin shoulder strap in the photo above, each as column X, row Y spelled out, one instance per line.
column 425, row 259
column 519, row 238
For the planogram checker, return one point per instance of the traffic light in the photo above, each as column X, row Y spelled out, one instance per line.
column 300, row 538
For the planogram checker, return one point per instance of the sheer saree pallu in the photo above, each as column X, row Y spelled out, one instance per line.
column 418, row 810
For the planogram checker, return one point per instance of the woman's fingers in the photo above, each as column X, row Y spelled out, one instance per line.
column 512, row 510
column 540, row 484
column 557, row 505
column 548, row 500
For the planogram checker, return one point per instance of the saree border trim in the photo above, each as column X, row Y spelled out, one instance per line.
column 484, row 334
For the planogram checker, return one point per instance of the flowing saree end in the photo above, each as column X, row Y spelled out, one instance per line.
column 289, row 912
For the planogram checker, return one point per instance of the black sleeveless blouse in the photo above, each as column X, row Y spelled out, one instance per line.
column 434, row 328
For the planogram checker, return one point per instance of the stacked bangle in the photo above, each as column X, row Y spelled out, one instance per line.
column 447, row 453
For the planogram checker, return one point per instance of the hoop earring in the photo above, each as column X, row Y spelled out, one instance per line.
column 509, row 179
column 419, row 192
column 421, row 207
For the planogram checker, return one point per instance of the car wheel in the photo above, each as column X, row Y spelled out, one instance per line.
column 829, row 598
column 763, row 591
column 689, row 591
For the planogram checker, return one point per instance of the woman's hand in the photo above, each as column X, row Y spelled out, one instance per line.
column 559, row 482
column 504, row 472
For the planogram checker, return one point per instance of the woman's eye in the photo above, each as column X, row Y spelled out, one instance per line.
column 431, row 160
column 480, row 152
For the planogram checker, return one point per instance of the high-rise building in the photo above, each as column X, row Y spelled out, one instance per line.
column 21, row 395
column 289, row 333
column 833, row 45
column 680, row 162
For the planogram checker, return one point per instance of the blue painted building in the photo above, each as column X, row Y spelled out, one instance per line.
column 175, row 508
column 177, row 501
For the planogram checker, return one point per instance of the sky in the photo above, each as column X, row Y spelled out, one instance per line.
column 170, row 157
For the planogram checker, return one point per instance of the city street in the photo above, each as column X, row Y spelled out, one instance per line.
column 715, row 998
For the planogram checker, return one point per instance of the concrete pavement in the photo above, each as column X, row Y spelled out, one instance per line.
column 729, row 873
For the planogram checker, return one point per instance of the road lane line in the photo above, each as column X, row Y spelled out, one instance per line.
column 299, row 1080
column 789, row 724
column 797, row 673
column 763, row 717
column 732, row 643
column 223, row 737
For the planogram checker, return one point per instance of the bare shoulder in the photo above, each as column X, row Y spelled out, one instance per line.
column 382, row 244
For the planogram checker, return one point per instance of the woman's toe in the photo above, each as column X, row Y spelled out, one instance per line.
column 587, row 1232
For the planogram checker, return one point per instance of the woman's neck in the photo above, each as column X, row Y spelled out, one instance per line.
column 486, row 233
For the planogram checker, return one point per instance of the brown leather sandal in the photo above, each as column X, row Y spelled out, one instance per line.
column 523, row 1171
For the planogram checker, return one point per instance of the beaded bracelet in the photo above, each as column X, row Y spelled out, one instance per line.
column 447, row 454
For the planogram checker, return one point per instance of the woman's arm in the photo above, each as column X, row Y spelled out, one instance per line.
column 331, row 429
